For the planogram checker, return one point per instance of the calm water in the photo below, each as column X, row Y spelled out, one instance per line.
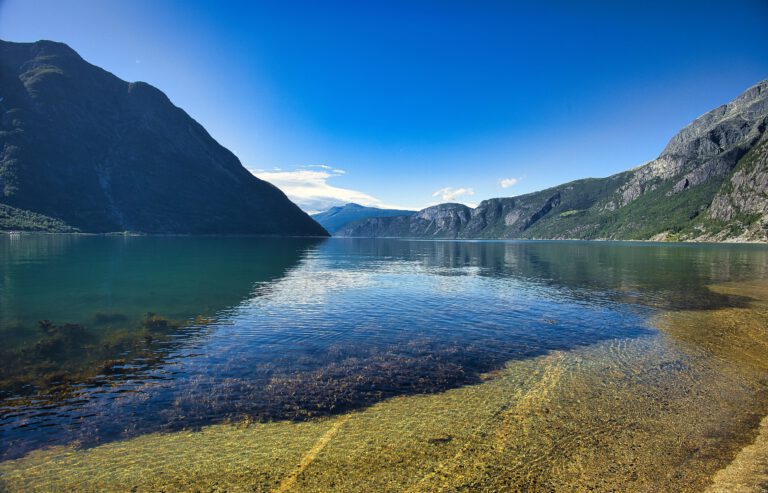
column 106, row 338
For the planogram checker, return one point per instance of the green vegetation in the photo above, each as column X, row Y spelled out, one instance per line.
column 12, row 219
column 679, row 215
column 591, row 209
column 67, row 354
column 657, row 212
column 708, row 184
column 85, row 150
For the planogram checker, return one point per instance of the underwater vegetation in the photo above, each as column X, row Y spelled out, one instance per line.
column 673, row 412
column 144, row 374
column 386, row 366
column 66, row 354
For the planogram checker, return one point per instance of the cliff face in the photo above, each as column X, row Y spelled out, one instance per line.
column 440, row 221
column 743, row 198
column 88, row 151
column 706, row 149
column 709, row 183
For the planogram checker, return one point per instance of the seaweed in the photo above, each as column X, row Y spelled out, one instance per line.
column 70, row 354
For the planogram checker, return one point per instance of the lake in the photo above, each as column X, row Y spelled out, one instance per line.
column 137, row 363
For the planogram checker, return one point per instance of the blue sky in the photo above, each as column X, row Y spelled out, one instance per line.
column 412, row 103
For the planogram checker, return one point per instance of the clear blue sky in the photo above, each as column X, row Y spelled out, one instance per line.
column 399, row 100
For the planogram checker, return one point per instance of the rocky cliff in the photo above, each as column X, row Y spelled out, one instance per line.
column 709, row 183
column 81, row 149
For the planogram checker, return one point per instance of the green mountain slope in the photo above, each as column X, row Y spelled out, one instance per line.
column 709, row 184
column 93, row 152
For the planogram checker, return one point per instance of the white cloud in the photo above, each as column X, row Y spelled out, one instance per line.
column 308, row 187
column 508, row 182
column 449, row 194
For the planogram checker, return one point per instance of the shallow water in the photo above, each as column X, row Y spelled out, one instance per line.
column 531, row 360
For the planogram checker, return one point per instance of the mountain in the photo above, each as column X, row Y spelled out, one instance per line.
column 709, row 184
column 81, row 149
column 337, row 217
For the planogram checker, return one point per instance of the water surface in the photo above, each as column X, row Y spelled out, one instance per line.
column 109, row 338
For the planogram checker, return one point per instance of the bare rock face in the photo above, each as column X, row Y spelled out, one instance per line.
column 718, row 166
column 440, row 221
column 724, row 127
column 708, row 147
column 744, row 197
column 446, row 215
column 511, row 216
column 709, row 183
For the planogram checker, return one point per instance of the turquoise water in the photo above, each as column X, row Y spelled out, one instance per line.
column 106, row 338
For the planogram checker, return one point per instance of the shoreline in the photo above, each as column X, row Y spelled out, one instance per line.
column 467, row 240
column 748, row 471
column 157, row 235
column 744, row 328
column 521, row 240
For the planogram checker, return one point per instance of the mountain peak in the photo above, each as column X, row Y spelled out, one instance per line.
column 709, row 184
column 724, row 126
column 99, row 154
column 339, row 217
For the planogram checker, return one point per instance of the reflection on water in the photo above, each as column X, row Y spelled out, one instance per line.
column 109, row 282
column 112, row 337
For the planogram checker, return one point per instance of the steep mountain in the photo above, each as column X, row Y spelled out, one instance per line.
column 82, row 149
column 440, row 221
column 337, row 217
column 709, row 184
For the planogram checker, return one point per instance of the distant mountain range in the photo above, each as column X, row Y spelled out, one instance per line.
column 82, row 150
column 709, row 184
column 337, row 217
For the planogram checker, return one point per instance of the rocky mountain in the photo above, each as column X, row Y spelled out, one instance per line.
column 709, row 184
column 81, row 149
column 440, row 221
column 336, row 218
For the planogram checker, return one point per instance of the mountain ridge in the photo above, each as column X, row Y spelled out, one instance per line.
column 94, row 153
column 337, row 217
column 710, row 183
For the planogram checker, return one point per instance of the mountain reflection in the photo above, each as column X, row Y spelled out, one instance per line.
column 77, row 309
column 669, row 276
